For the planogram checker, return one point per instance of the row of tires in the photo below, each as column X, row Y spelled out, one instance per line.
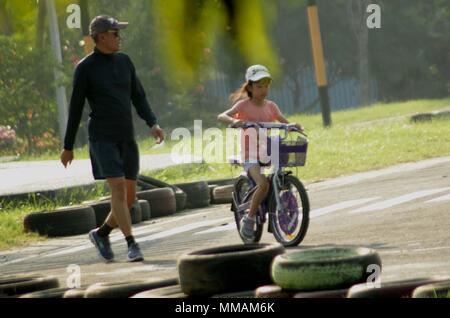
column 157, row 199
column 436, row 115
column 197, row 194
column 250, row 271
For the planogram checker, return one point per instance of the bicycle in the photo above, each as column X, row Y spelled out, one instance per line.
column 287, row 202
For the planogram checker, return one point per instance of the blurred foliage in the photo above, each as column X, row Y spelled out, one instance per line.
column 27, row 94
column 178, row 46
column 7, row 139
column 411, row 56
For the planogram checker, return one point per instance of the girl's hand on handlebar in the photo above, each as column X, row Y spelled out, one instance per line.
column 237, row 123
column 299, row 128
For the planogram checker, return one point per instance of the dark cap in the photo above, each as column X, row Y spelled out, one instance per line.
column 104, row 23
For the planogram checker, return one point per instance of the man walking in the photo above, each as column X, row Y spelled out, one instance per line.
column 109, row 81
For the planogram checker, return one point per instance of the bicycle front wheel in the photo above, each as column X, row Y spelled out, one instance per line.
column 290, row 224
column 241, row 188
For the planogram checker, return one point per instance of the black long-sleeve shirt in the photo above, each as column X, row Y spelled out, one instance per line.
column 110, row 84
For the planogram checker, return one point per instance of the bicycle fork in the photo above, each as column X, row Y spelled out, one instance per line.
column 276, row 184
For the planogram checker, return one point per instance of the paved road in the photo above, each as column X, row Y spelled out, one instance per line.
column 402, row 212
column 24, row 177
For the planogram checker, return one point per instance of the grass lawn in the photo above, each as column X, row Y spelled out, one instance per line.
column 360, row 139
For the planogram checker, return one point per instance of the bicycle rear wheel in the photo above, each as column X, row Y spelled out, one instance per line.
column 241, row 188
column 290, row 225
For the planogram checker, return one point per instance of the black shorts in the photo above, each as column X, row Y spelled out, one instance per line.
column 114, row 159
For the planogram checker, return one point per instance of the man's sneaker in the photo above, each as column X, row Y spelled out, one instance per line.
column 102, row 244
column 247, row 226
column 134, row 253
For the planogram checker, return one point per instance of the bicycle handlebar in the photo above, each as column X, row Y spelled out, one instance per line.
column 286, row 127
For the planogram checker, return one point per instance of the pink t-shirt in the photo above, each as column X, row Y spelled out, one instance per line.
column 247, row 111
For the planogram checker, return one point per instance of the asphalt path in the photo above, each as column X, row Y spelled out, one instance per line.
column 401, row 211
column 32, row 176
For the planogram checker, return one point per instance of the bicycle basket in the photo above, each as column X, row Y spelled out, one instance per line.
column 293, row 152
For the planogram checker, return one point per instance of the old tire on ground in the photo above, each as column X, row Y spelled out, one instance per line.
column 181, row 198
column 14, row 285
column 126, row 289
column 438, row 290
column 273, row 291
column 162, row 201
column 222, row 194
column 142, row 186
column 136, row 213
column 396, row 289
column 325, row 268
column 62, row 222
column 197, row 194
column 48, row 293
column 152, row 183
column 211, row 194
column 75, row 293
column 226, row 269
column 338, row 293
column 165, row 292
column 242, row 294
column 145, row 210
column 222, row 182
column 101, row 209
column 421, row 117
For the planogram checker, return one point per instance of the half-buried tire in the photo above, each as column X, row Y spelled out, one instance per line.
column 439, row 290
column 180, row 198
column 162, row 201
column 14, row 285
column 222, row 194
column 145, row 210
column 197, row 194
column 226, row 269
column 66, row 221
column 325, row 268
column 101, row 209
column 75, row 293
column 211, row 194
column 222, row 182
column 126, row 289
column 165, row 292
column 48, row 293
column 136, row 213
column 395, row 289
column 152, row 183
column 273, row 291
column 338, row 293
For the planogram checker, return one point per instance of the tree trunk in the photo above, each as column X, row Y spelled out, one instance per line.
column 40, row 26
column 6, row 27
column 357, row 11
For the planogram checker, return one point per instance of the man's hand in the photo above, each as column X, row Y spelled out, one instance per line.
column 66, row 157
column 157, row 133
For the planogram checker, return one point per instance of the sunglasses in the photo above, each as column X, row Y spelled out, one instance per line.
column 116, row 33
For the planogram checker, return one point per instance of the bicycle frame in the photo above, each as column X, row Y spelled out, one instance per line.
column 263, row 209
column 273, row 177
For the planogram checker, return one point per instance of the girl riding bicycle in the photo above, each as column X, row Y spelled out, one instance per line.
column 250, row 105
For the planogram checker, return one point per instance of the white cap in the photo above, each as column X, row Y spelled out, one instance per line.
column 256, row 72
